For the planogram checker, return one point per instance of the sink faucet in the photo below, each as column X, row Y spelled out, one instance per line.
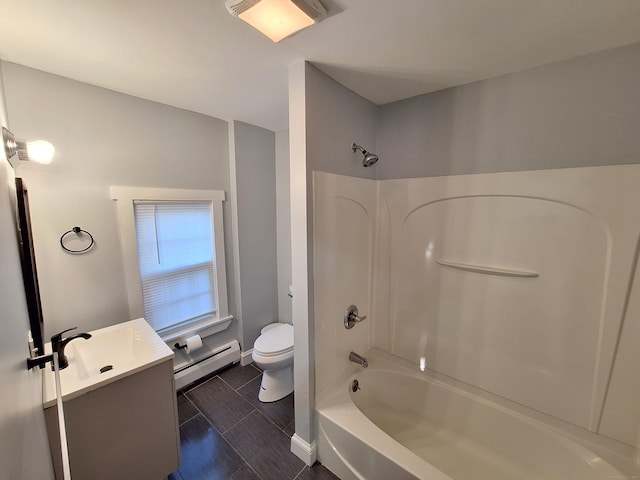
column 58, row 344
column 355, row 358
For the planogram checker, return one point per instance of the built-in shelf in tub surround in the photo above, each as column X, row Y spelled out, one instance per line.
column 122, row 418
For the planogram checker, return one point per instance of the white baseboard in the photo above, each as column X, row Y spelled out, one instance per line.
column 306, row 452
column 228, row 353
column 245, row 357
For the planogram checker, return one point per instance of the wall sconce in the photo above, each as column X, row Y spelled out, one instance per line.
column 277, row 19
column 39, row 151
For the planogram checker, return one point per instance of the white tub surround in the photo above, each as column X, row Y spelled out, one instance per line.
column 517, row 284
column 548, row 340
column 344, row 255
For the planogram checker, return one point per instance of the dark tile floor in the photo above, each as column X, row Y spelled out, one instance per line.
column 226, row 433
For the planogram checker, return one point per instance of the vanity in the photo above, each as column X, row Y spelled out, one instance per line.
column 119, row 405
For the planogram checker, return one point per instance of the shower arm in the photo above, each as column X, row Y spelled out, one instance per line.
column 355, row 147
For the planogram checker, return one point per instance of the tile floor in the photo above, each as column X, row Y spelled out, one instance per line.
column 226, row 433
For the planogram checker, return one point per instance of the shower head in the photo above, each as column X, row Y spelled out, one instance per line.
column 369, row 158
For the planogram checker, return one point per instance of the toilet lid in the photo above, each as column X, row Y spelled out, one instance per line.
column 275, row 340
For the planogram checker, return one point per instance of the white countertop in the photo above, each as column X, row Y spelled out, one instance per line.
column 127, row 347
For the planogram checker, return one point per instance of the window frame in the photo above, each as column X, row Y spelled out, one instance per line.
column 125, row 198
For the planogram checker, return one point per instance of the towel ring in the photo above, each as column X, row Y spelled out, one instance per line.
column 77, row 231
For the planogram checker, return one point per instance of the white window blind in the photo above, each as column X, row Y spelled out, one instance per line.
column 176, row 256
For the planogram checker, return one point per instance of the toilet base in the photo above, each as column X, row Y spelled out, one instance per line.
column 276, row 384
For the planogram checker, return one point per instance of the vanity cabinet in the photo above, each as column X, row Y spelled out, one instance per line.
column 124, row 429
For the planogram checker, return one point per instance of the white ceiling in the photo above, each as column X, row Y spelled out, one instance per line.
column 194, row 55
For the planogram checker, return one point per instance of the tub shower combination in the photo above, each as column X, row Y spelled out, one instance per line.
column 400, row 425
column 499, row 340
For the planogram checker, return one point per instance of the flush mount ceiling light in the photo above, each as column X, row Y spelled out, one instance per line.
column 39, row 151
column 277, row 19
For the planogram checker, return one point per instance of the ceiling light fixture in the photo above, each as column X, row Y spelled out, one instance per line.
column 277, row 19
column 39, row 151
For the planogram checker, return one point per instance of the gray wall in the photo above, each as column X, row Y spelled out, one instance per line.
column 325, row 119
column 24, row 449
column 337, row 117
column 283, row 218
column 103, row 138
column 255, row 184
column 581, row 112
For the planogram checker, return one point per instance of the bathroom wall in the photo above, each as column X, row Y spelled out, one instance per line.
column 621, row 415
column 253, row 175
column 580, row 112
column 325, row 118
column 542, row 330
column 283, row 218
column 24, row 448
column 344, row 236
column 336, row 117
column 102, row 138
column 303, row 355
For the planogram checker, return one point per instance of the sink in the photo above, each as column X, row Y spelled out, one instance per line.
column 120, row 406
column 110, row 354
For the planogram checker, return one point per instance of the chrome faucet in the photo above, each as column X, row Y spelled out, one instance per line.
column 351, row 317
column 355, row 358
column 58, row 344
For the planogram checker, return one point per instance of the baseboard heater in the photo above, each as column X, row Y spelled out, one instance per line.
column 222, row 356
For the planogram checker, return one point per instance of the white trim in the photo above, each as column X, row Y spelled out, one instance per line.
column 124, row 197
column 62, row 426
column 246, row 357
column 224, row 355
column 302, row 305
column 306, row 452
column 204, row 330
column 235, row 235
column 144, row 193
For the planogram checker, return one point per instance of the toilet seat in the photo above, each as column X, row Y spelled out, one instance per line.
column 276, row 340
column 271, row 326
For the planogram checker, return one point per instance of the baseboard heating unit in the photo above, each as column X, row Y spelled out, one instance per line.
column 216, row 359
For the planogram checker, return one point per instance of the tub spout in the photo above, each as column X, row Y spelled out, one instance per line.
column 355, row 358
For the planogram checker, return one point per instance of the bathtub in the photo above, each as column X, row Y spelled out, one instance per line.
column 404, row 425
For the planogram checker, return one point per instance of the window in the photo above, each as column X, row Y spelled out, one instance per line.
column 173, row 249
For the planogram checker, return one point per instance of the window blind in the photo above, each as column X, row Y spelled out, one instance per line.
column 176, row 256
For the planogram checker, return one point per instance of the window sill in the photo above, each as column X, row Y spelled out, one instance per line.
column 204, row 329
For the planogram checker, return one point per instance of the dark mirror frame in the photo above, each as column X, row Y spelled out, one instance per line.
column 29, row 270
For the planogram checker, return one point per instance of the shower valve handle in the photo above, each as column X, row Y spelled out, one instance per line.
column 351, row 317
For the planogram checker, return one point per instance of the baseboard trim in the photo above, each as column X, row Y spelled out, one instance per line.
column 306, row 452
column 245, row 357
column 224, row 355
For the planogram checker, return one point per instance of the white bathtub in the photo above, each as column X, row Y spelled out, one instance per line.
column 402, row 425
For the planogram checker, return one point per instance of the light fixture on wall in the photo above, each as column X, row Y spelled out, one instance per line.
column 277, row 19
column 39, row 151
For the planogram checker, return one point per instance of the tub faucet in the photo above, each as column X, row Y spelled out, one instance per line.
column 58, row 344
column 355, row 358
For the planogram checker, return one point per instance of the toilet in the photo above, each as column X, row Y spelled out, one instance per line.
column 273, row 353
